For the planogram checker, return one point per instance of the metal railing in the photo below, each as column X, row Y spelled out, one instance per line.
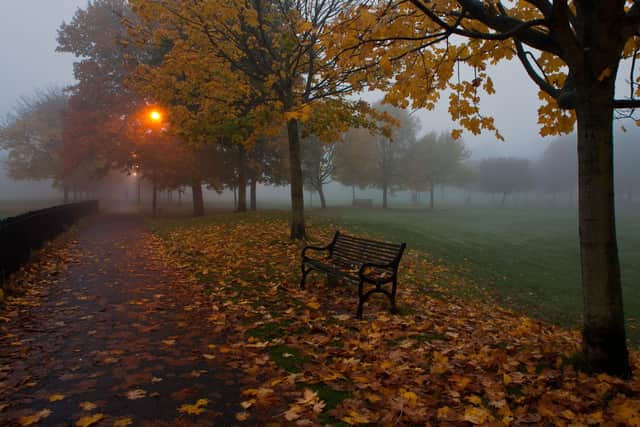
column 22, row 234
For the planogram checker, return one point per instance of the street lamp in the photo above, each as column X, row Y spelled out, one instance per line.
column 155, row 116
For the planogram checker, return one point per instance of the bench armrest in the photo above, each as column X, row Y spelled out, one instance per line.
column 314, row 248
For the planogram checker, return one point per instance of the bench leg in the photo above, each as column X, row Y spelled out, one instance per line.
column 392, row 298
column 304, row 276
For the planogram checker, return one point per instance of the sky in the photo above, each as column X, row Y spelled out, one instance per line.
column 29, row 61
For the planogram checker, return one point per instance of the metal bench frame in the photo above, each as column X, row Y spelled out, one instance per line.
column 358, row 260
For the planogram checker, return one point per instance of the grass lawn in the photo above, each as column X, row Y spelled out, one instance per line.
column 527, row 258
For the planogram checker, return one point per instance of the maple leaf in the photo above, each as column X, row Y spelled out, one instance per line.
column 242, row 416
column 136, row 394
column 28, row 420
column 476, row 415
column 88, row 406
column 195, row 409
column 355, row 418
column 294, row 412
column 90, row 420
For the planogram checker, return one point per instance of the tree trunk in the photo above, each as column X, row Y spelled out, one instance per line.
column 295, row 178
column 385, row 189
column 323, row 202
column 431, row 197
column 242, row 180
column 139, row 195
column 198, row 200
column 253, row 197
column 414, row 197
column 353, row 194
column 504, row 198
column 154, row 199
column 65, row 190
column 235, row 197
column 603, row 334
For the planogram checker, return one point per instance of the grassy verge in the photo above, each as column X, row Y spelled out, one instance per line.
column 527, row 258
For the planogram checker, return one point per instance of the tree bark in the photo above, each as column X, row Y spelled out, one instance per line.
column 323, row 202
column 385, row 189
column 242, row 180
column 198, row 200
column 603, row 334
column 65, row 190
column 431, row 197
column 253, row 197
column 295, row 178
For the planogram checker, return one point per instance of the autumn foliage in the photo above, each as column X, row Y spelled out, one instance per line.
column 446, row 359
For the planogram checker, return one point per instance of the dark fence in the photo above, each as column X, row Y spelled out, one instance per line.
column 22, row 234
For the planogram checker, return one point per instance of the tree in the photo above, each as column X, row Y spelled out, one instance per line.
column 317, row 165
column 354, row 158
column 389, row 151
column 33, row 136
column 276, row 47
column 572, row 51
column 505, row 175
column 432, row 160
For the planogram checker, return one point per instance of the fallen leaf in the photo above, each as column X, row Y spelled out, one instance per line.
column 56, row 397
column 88, row 406
column 123, row 422
column 34, row 418
column 194, row 409
column 242, row 416
column 90, row 420
column 136, row 394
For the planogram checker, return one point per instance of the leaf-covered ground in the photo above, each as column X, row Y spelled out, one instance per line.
column 206, row 325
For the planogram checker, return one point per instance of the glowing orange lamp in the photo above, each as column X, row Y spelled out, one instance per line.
column 155, row 116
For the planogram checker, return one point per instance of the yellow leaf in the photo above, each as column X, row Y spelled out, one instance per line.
column 474, row 399
column 242, row 416
column 136, row 394
column 355, row 418
column 476, row 415
column 56, row 397
column 195, row 409
column 90, row 420
column 506, row 379
column 410, row 396
column 123, row 422
column 34, row 418
column 313, row 304
column 88, row 406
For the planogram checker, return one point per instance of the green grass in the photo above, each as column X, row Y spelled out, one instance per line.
column 529, row 258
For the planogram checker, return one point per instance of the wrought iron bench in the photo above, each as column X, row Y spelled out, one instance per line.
column 358, row 260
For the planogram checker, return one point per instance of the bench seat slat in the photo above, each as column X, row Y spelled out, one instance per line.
column 381, row 251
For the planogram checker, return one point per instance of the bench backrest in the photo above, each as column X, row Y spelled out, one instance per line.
column 358, row 250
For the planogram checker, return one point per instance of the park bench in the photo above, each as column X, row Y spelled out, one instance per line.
column 358, row 260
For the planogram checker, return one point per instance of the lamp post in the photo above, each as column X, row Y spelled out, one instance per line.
column 155, row 118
